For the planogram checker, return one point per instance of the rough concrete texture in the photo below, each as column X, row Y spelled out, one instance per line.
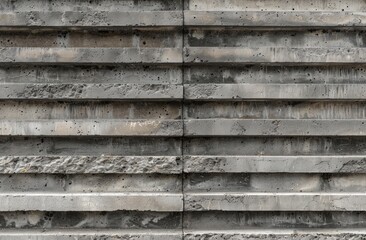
column 90, row 164
column 91, row 91
column 182, row 119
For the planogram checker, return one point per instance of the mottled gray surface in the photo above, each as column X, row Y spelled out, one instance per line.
column 92, row 91
column 194, row 119
column 90, row 164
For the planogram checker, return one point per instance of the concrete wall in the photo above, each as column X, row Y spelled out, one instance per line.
column 182, row 119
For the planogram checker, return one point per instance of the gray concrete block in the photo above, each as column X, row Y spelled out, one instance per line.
column 275, row 164
column 283, row 109
column 275, row 91
column 90, row 146
column 92, row 19
column 90, row 183
column 95, row 127
column 239, row 221
column 274, row 19
column 273, row 127
column 288, row 201
column 275, row 146
column 275, row 5
column 291, row 56
column 280, row 182
column 79, row 56
column 89, row 74
column 277, row 234
column 92, row 91
column 90, row 164
column 131, row 201
column 90, row 221
column 146, row 234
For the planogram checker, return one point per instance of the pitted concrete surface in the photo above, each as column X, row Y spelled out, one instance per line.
column 182, row 119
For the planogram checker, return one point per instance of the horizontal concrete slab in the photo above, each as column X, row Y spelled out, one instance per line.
column 91, row 19
column 275, row 5
column 275, row 91
column 275, row 164
column 90, row 55
column 281, row 55
column 90, row 164
column 91, row 91
column 132, row 201
column 248, row 201
column 122, row 221
column 277, row 234
column 97, row 127
column 246, row 221
column 273, row 127
column 275, row 18
column 93, row 183
column 84, row 234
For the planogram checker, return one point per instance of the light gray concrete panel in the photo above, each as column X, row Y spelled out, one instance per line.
column 275, row 91
column 91, row 19
column 276, row 5
column 62, row 234
column 90, row 55
column 277, row 234
column 248, row 201
column 274, row 127
column 92, row 91
column 137, row 201
column 275, row 19
column 97, row 127
column 230, row 55
column 90, row 164
column 275, row 164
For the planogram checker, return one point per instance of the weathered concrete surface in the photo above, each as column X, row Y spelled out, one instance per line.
column 248, row 201
column 273, row 5
column 80, row 5
column 282, row 234
column 267, row 164
column 283, row 109
column 153, row 201
column 92, row 91
column 90, row 55
column 92, row 128
column 98, row 140
column 92, row 235
column 90, row 164
column 275, row 19
column 273, row 127
column 91, row 183
column 275, row 91
column 89, row 220
column 280, row 55
column 90, row 18
column 280, row 182
column 276, row 221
